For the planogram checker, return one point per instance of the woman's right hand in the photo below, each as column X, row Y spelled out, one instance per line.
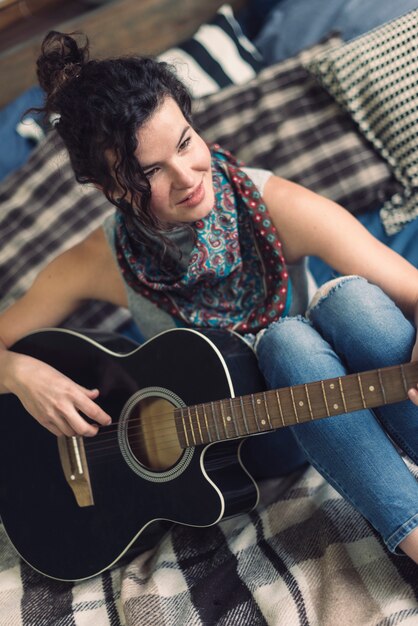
column 53, row 399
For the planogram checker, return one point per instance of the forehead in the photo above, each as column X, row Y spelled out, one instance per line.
column 160, row 134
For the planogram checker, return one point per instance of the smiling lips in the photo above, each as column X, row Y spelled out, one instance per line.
column 195, row 197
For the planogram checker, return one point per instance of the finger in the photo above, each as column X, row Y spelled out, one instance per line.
column 91, row 393
column 92, row 410
column 88, row 390
column 64, row 427
column 79, row 425
column 413, row 395
column 52, row 429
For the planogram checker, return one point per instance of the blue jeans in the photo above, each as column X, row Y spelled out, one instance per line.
column 354, row 327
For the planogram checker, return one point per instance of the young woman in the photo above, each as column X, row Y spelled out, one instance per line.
column 197, row 240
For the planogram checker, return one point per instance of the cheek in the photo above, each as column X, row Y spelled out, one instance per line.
column 206, row 156
column 158, row 199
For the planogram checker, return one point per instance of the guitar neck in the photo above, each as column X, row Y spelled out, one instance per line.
column 269, row 410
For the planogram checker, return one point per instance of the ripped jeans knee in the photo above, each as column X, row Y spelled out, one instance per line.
column 362, row 323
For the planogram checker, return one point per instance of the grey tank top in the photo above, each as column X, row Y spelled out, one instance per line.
column 152, row 320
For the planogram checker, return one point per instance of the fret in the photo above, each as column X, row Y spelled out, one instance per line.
column 205, row 417
column 395, row 381
column 234, row 419
column 185, row 429
column 198, row 425
column 325, row 397
column 279, row 404
column 294, row 405
column 255, row 412
column 340, row 384
column 215, row 422
column 361, row 391
column 224, row 419
column 308, row 401
column 267, row 410
column 191, row 425
column 259, row 403
column 243, row 415
column 382, row 387
column 405, row 384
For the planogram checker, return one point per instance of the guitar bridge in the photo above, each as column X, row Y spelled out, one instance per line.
column 75, row 468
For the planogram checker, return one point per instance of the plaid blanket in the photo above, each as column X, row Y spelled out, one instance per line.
column 304, row 556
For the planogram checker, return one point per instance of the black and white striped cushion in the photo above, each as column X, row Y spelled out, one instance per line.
column 375, row 78
column 217, row 55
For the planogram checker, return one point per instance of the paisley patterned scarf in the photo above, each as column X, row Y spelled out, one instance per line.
column 236, row 275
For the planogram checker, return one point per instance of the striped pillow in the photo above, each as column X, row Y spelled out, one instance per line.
column 218, row 55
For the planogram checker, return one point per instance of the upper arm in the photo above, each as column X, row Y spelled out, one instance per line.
column 86, row 271
column 310, row 224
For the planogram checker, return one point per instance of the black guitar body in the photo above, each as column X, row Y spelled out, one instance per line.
column 134, row 504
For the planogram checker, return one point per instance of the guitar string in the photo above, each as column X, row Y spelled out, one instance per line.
column 208, row 407
column 167, row 429
column 237, row 403
column 97, row 446
column 158, row 431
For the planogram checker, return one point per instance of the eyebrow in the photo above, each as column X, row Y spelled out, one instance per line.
column 184, row 132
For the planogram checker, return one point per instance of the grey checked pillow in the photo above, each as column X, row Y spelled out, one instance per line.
column 375, row 78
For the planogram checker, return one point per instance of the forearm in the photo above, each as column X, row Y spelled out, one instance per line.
column 5, row 366
column 9, row 366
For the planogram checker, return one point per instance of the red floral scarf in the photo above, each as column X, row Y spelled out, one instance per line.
column 236, row 276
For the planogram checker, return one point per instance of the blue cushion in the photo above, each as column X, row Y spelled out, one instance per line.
column 296, row 24
column 15, row 148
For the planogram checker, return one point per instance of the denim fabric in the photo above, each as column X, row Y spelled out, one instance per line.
column 353, row 327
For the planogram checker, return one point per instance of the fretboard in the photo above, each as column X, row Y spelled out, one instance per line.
column 265, row 411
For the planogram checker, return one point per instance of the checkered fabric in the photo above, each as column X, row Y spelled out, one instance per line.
column 303, row 558
column 375, row 78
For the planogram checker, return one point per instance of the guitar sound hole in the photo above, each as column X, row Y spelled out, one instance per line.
column 152, row 434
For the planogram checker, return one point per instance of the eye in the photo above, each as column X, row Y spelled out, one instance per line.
column 150, row 173
column 185, row 144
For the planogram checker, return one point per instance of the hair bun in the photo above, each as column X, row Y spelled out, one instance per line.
column 61, row 59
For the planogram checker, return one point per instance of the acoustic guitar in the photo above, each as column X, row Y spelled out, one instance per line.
column 182, row 404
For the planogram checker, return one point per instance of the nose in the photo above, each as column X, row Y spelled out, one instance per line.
column 182, row 176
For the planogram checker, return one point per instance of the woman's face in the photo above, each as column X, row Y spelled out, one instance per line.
column 177, row 164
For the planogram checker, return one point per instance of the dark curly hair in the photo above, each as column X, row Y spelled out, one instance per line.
column 100, row 104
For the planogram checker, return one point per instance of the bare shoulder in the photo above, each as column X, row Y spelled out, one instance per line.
column 85, row 271
column 307, row 222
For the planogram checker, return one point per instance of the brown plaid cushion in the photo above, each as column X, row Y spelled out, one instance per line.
column 286, row 122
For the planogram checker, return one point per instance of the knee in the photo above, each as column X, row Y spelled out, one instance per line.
column 336, row 286
column 351, row 300
column 283, row 346
column 287, row 335
column 351, row 311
